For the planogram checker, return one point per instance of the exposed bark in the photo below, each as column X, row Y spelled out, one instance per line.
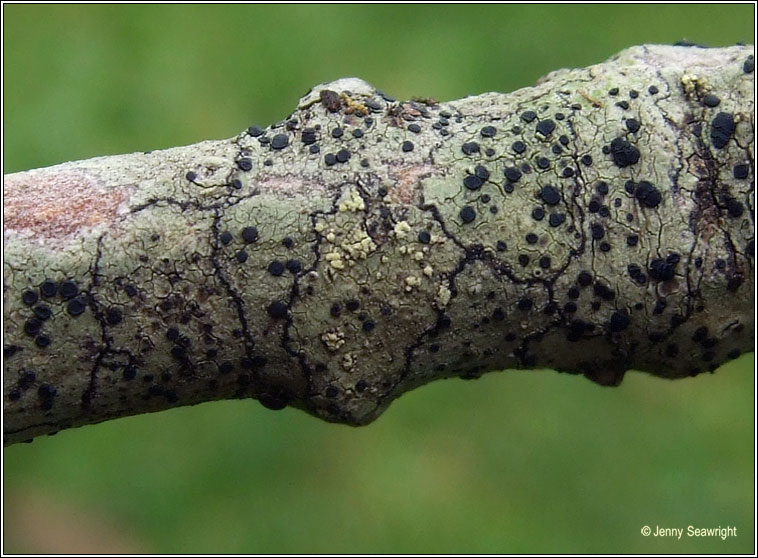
column 598, row 222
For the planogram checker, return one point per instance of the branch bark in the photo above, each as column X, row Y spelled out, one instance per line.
column 600, row 221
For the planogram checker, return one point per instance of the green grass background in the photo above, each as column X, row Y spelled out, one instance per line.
column 514, row 462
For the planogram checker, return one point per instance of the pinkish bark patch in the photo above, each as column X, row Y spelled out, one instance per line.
column 407, row 179
column 288, row 185
column 56, row 204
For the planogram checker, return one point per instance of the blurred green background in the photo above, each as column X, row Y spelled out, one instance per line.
column 515, row 462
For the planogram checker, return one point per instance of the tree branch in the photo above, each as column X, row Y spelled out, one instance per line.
column 600, row 221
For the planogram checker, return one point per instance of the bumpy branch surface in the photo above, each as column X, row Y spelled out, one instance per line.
column 598, row 222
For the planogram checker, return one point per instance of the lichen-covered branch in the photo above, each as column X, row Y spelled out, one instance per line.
column 600, row 221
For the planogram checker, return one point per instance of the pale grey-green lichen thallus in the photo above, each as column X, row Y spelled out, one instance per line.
column 598, row 222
